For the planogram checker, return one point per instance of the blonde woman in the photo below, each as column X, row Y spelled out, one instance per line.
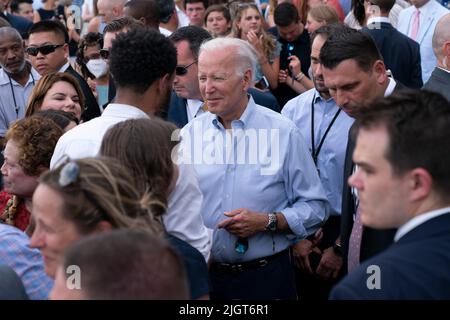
column 248, row 26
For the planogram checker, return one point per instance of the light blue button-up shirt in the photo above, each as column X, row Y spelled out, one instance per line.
column 261, row 164
column 331, row 158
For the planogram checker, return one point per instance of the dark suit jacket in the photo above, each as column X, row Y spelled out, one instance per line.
column 11, row 286
column 373, row 241
column 415, row 267
column 19, row 23
column 439, row 82
column 177, row 112
column 400, row 53
column 92, row 109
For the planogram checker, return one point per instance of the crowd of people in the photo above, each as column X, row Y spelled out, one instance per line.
column 195, row 149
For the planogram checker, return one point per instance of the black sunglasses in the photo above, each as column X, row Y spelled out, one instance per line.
column 104, row 53
column 181, row 71
column 46, row 49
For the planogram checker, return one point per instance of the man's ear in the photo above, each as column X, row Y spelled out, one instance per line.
column 380, row 71
column 420, row 184
column 164, row 81
column 66, row 50
column 446, row 49
column 247, row 79
column 103, row 226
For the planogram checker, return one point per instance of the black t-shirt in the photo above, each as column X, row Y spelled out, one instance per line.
column 301, row 48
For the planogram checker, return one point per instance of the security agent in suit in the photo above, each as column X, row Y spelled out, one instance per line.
column 355, row 74
column 51, row 32
column 11, row 287
column 405, row 189
column 186, row 101
column 440, row 78
column 400, row 54
column 430, row 12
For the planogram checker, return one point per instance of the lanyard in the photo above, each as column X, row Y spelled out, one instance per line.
column 314, row 152
column 13, row 95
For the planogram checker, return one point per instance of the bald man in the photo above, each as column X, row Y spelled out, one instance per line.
column 440, row 78
column 108, row 10
column 17, row 78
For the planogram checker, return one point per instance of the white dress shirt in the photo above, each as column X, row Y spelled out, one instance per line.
column 183, row 217
column 418, row 220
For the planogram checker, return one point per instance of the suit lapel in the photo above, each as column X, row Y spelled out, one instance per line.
column 426, row 24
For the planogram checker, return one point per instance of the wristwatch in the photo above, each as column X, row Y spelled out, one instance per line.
column 272, row 224
column 337, row 249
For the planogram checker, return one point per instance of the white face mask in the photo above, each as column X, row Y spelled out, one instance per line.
column 98, row 67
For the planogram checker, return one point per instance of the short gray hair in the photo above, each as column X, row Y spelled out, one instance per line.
column 243, row 53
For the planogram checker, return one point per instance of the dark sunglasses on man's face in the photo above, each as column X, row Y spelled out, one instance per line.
column 47, row 49
column 104, row 53
column 181, row 71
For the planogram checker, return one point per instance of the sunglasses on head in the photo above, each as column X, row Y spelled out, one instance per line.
column 181, row 71
column 46, row 49
column 104, row 53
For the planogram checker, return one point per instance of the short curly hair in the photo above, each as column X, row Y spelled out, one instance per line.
column 141, row 56
column 36, row 138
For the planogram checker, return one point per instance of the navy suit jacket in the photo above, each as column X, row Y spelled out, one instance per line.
column 177, row 112
column 439, row 82
column 415, row 267
column 92, row 110
column 400, row 54
column 19, row 23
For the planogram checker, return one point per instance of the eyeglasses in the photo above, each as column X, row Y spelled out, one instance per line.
column 104, row 53
column 46, row 49
column 181, row 71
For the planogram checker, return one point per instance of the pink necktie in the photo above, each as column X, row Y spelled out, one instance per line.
column 415, row 25
column 354, row 245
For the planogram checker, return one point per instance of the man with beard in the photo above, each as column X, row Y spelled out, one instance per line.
column 142, row 62
column 355, row 75
column 325, row 129
column 143, row 78
column 17, row 78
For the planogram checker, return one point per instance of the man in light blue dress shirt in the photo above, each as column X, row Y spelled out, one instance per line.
column 261, row 189
column 315, row 111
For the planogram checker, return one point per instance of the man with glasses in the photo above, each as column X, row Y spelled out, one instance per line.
column 17, row 78
column 186, row 102
column 110, row 33
column 48, row 51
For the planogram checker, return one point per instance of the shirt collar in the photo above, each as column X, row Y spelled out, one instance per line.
column 378, row 19
column 64, row 67
column 245, row 117
column 4, row 79
column 418, row 220
column 425, row 8
column 390, row 88
column 448, row 71
column 127, row 111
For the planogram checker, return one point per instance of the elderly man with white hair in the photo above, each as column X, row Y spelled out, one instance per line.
column 261, row 189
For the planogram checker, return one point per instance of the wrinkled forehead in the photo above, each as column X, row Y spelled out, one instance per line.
column 216, row 60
